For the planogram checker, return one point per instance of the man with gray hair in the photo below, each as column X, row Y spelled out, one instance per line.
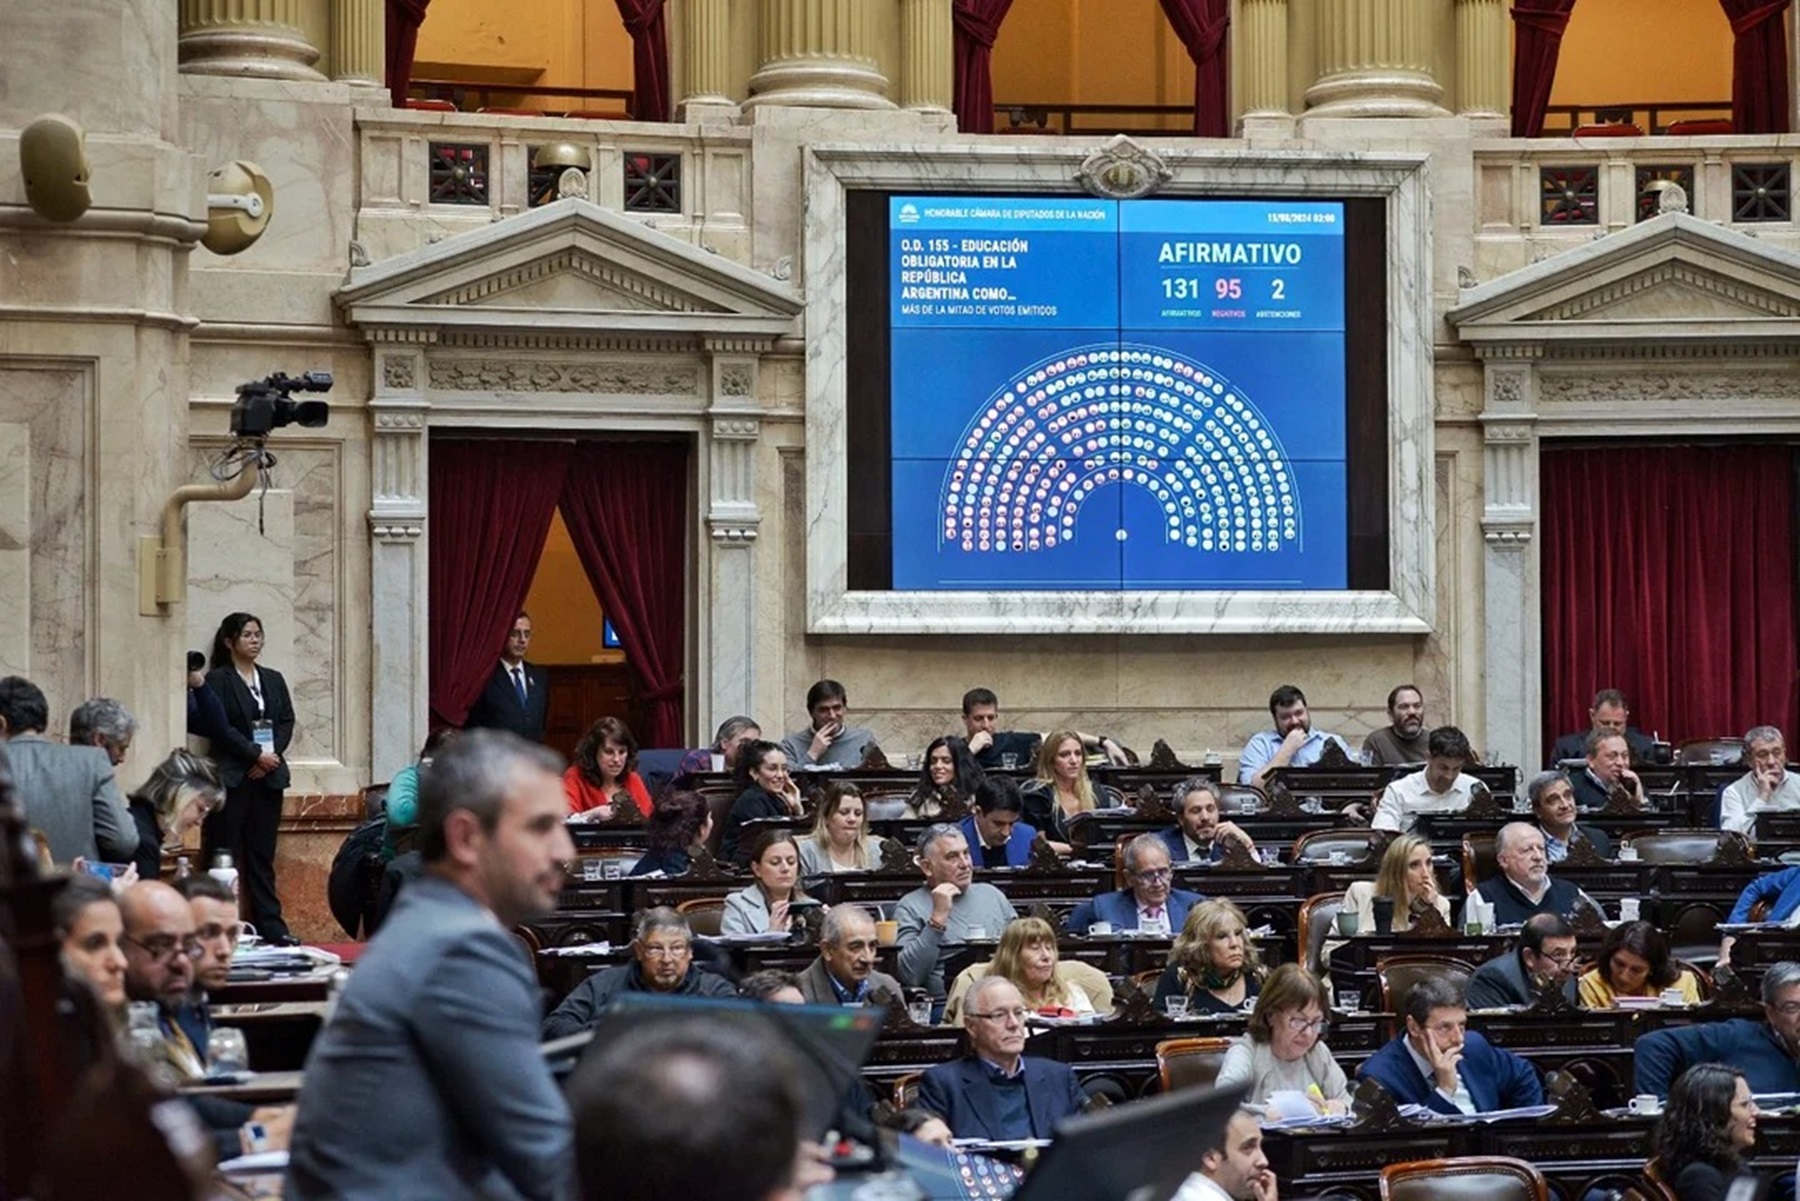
column 1766, row 1052
column 1553, row 804
column 1524, row 887
column 844, row 973
column 949, row 910
column 1768, row 784
column 997, row 1091
column 68, row 792
column 103, row 722
column 662, row 961
column 1149, row 902
column 427, row 1081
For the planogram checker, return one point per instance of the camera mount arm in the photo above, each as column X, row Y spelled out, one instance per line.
column 162, row 558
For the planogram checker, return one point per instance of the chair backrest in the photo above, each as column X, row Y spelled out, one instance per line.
column 1702, row 977
column 1686, row 846
column 1480, row 858
column 1190, row 1062
column 1713, row 752
column 718, row 803
column 906, row 1089
column 1399, row 973
column 1472, row 1178
column 1317, row 914
column 704, row 915
column 1362, row 846
column 1235, row 799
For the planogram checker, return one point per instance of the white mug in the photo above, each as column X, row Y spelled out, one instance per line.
column 1628, row 909
column 976, row 933
column 1646, row 1103
column 1100, row 928
column 1628, row 854
column 1673, row 996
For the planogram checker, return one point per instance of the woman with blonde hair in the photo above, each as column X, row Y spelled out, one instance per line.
column 840, row 839
column 177, row 797
column 1063, row 788
column 1406, row 878
column 1213, row 962
column 1050, row 985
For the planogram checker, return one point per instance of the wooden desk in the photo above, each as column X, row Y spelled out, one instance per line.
column 311, row 986
column 278, row 1033
column 263, row 1088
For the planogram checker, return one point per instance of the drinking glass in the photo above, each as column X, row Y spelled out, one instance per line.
column 1175, row 1007
column 227, row 1054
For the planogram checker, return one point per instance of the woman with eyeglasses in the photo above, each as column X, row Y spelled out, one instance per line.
column 1634, row 961
column 1213, row 962
column 1284, row 1049
column 179, row 795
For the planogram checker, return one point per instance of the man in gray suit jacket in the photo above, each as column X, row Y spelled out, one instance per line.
column 844, row 973
column 427, row 1083
column 68, row 791
column 1545, row 959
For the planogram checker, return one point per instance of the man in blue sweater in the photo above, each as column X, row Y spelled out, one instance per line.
column 1439, row 1062
column 1779, row 890
column 1767, row 1053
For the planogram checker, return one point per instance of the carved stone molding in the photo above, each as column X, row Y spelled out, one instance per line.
column 737, row 534
column 397, row 372
column 1505, row 537
column 736, row 429
column 1509, row 388
column 737, row 379
column 1123, row 170
column 632, row 288
column 388, row 529
column 1639, row 387
column 406, row 419
column 1685, row 274
column 502, row 375
column 1507, row 432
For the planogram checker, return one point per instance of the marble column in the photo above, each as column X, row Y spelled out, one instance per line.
column 1375, row 60
column 1261, row 57
column 1512, row 652
column 359, row 42
column 261, row 38
column 817, row 54
column 1483, row 58
column 399, row 590
column 927, row 68
column 706, row 55
column 732, row 522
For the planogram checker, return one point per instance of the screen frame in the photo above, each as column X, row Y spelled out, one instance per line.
column 1406, row 606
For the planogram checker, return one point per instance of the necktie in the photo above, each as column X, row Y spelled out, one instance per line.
column 518, row 674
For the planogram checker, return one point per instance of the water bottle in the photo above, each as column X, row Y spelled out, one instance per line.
column 224, row 872
column 183, row 868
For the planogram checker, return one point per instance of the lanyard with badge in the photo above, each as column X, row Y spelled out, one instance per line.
column 262, row 729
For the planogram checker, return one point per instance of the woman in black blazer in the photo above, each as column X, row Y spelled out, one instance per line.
column 259, row 724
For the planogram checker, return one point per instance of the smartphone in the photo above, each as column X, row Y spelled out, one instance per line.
column 106, row 871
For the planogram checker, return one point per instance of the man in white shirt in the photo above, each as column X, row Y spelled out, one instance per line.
column 1236, row 1169
column 1440, row 788
column 1768, row 784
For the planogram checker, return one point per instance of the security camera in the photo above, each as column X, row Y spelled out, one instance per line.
column 240, row 200
column 265, row 405
column 53, row 160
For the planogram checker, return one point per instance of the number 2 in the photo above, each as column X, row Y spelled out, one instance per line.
column 1278, row 289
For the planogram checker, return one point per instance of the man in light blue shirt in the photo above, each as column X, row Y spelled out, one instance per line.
column 1292, row 743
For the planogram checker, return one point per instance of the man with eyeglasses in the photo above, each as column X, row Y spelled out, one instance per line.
column 161, row 949
column 516, row 696
column 1545, row 959
column 1149, row 903
column 1437, row 1061
column 997, row 1091
column 662, row 961
column 1766, row 1052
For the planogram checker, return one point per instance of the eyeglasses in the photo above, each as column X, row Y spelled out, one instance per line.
column 1787, row 1009
column 1001, row 1015
column 656, row 950
column 1300, row 1025
column 161, row 950
column 1155, row 875
column 1559, row 958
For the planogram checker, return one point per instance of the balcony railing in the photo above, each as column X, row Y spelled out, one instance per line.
column 1087, row 120
column 472, row 96
column 1648, row 117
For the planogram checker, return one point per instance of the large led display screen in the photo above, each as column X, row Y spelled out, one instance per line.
column 1105, row 395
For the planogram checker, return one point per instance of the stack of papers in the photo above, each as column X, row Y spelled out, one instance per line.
column 580, row 949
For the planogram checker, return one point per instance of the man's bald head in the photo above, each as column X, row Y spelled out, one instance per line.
column 159, row 942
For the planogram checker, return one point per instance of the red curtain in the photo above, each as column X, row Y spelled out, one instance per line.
column 1759, row 65
column 403, row 20
column 649, row 30
column 1537, row 39
column 491, row 505
column 626, row 508
column 1669, row 574
column 977, row 25
column 1201, row 25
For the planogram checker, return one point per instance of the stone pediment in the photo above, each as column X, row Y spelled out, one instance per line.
column 1672, row 279
column 569, row 267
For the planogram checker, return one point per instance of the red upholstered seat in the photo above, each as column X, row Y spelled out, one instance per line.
column 430, row 106
column 1697, row 128
column 1621, row 129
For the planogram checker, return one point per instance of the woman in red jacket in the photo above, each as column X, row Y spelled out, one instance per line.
column 604, row 771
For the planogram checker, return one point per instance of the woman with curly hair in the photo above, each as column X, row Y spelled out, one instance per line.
column 1634, row 962
column 1710, row 1122
column 674, row 834
column 948, row 773
column 1213, row 962
column 604, row 770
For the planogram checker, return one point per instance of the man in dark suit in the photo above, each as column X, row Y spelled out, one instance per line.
column 1151, row 901
column 1439, row 1062
column 1608, row 767
column 1198, row 835
column 997, row 835
column 997, row 1092
column 517, row 694
column 1553, row 804
column 1611, row 714
column 428, row 1081
column 844, row 973
column 68, row 792
column 1544, row 959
